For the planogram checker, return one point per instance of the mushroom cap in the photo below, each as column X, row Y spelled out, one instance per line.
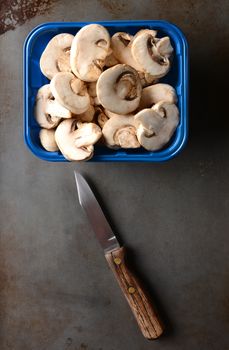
column 56, row 56
column 119, row 89
column 65, row 137
column 156, row 93
column 148, row 31
column 70, row 92
column 156, row 125
column 120, row 131
column 47, row 139
column 121, row 46
column 145, row 51
column 89, row 49
column 44, row 108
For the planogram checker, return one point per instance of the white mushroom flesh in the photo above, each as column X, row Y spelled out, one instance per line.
column 120, row 131
column 119, row 89
column 148, row 52
column 156, row 126
column 44, row 99
column 70, row 92
column 156, row 93
column 88, row 52
column 87, row 134
column 56, row 56
column 55, row 109
column 65, row 136
column 47, row 139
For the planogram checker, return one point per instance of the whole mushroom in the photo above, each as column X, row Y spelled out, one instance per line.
column 156, row 125
column 120, row 131
column 56, row 56
column 89, row 50
column 119, row 89
column 70, row 92
column 75, row 140
column 47, row 111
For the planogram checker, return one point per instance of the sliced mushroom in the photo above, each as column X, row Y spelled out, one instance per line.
column 156, row 93
column 66, row 135
column 149, row 52
column 86, row 116
column 47, row 138
column 156, row 126
column 121, row 46
column 56, row 56
column 47, row 111
column 87, row 134
column 70, row 92
column 54, row 108
column 119, row 89
column 88, row 52
column 120, row 131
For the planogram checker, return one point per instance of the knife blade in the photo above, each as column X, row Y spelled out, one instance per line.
column 140, row 304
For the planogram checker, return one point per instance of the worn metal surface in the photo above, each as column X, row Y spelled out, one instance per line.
column 56, row 292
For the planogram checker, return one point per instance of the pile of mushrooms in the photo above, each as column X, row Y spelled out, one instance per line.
column 105, row 89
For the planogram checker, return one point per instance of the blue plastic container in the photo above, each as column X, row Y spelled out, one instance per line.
column 177, row 77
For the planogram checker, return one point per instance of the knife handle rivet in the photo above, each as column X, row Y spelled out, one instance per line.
column 117, row 261
column 131, row 290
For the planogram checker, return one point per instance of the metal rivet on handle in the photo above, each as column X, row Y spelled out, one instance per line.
column 131, row 290
column 117, row 261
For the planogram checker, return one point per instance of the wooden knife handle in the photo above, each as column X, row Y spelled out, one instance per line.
column 148, row 321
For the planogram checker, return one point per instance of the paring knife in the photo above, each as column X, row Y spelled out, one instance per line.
column 148, row 321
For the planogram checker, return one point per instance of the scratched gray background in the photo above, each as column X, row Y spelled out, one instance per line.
column 56, row 291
